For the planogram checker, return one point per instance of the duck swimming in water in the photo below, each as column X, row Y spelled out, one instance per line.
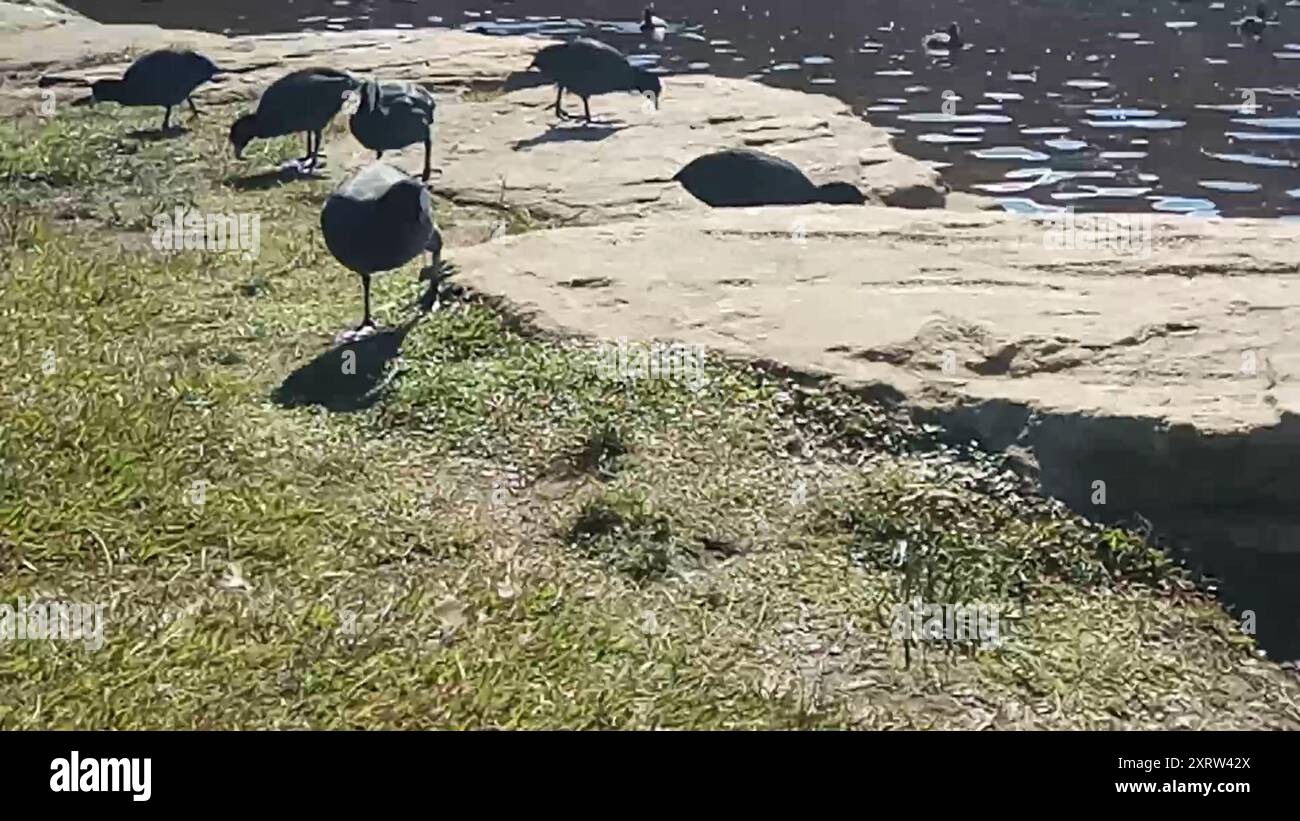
column 949, row 40
column 1254, row 24
column 379, row 221
column 651, row 24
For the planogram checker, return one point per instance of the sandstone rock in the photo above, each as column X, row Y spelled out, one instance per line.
column 18, row 15
column 883, row 294
column 1170, row 377
column 505, row 150
column 623, row 167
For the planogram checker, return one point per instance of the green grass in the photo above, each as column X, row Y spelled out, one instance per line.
column 493, row 534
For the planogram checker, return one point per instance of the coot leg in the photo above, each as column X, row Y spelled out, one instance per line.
column 586, row 107
column 193, row 107
column 559, row 95
column 167, row 119
column 428, row 151
column 315, row 153
column 367, row 322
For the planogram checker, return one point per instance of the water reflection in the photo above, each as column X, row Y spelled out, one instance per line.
column 1170, row 97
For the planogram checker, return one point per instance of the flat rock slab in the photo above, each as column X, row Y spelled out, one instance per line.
column 77, row 52
column 35, row 14
column 622, row 166
column 1170, row 375
column 510, row 149
column 973, row 303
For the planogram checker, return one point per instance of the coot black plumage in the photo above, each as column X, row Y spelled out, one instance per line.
column 392, row 116
column 743, row 177
column 303, row 101
column 589, row 67
column 166, row 77
column 1255, row 24
column 377, row 221
column 650, row 24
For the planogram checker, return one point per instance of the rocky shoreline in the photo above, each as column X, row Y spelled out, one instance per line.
column 1168, row 376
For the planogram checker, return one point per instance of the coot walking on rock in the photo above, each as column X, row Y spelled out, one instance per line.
column 588, row 67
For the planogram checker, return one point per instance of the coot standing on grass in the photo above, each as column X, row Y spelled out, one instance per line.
column 743, row 177
column 392, row 116
column 588, row 67
column 377, row 221
column 166, row 77
column 303, row 101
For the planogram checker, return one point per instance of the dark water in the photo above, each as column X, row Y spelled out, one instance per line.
column 1096, row 104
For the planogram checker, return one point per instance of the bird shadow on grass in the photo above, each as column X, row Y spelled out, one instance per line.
column 350, row 376
column 154, row 135
column 47, row 80
column 517, row 80
column 271, row 179
column 594, row 132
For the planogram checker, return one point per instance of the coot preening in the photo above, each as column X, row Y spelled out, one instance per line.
column 392, row 116
column 588, row 67
column 303, row 101
column 949, row 40
column 743, row 177
column 166, row 77
column 377, row 221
